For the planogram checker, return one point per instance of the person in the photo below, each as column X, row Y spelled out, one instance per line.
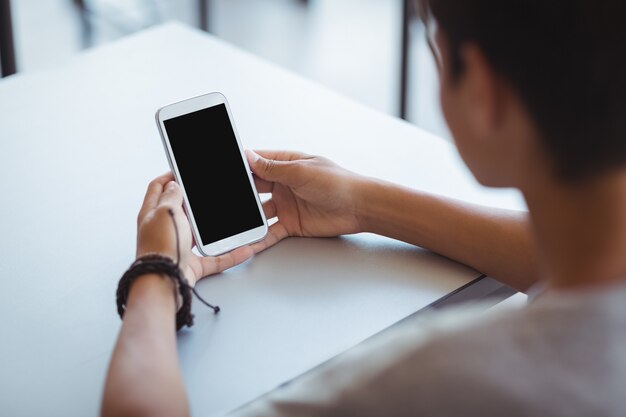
column 534, row 93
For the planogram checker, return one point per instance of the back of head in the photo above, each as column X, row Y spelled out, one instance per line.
column 566, row 59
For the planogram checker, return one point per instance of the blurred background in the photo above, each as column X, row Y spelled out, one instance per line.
column 352, row 46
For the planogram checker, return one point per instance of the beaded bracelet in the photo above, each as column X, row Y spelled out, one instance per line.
column 160, row 265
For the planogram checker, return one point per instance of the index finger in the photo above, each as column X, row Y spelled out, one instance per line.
column 155, row 189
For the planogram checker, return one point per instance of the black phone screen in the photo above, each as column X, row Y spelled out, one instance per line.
column 213, row 173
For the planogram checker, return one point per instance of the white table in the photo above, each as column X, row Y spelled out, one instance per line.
column 77, row 147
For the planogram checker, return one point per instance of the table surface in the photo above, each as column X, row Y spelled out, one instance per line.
column 78, row 145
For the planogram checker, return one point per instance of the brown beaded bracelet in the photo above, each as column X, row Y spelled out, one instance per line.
column 160, row 265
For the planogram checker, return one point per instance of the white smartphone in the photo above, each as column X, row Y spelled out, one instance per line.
column 208, row 162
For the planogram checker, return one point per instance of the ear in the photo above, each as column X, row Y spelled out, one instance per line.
column 483, row 90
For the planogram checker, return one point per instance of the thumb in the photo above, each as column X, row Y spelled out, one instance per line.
column 268, row 169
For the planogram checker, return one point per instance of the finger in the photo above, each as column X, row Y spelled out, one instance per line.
column 155, row 189
column 171, row 196
column 268, row 169
column 193, row 237
column 217, row 264
column 282, row 155
column 263, row 186
column 164, row 178
column 275, row 234
column 269, row 208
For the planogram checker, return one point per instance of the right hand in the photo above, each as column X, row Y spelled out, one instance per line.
column 311, row 196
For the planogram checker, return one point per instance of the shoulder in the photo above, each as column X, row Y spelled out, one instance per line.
column 555, row 357
column 458, row 362
column 413, row 368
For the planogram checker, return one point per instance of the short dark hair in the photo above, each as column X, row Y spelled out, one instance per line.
column 567, row 61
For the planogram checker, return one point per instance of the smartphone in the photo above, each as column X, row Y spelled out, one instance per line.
column 208, row 162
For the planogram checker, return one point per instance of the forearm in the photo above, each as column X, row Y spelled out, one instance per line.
column 493, row 241
column 144, row 378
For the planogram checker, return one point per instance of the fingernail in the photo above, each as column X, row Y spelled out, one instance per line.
column 170, row 186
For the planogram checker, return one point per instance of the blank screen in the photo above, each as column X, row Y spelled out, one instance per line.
column 213, row 174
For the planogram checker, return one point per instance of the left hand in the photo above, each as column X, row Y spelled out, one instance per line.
column 156, row 234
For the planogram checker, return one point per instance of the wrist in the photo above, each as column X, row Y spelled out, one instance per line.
column 368, row 192
column 169, row 254
column 152, row 290
column 147, row 251
column 144, row 278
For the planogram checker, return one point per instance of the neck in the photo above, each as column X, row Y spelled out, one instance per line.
column 580, row 229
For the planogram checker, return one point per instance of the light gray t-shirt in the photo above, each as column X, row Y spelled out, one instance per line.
column 562, row 355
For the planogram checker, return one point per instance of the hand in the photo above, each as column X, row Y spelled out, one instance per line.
column 311, row 196
column 156, row 233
